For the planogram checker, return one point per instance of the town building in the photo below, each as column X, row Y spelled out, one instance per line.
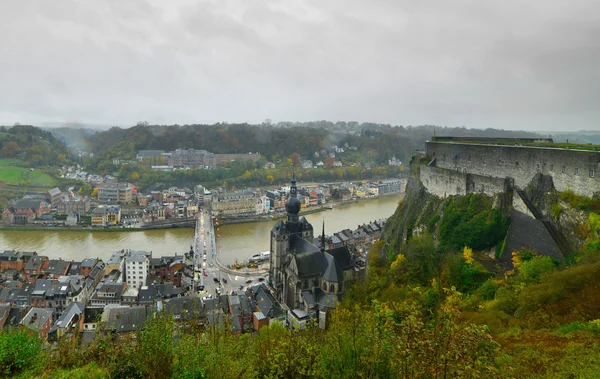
column 137, row 264
column 24, row 211
column 150, row 156
column 105, row 215
column 233, row 204
column 111, row 192
column 66, row 205
column 394, row 161
column 39, row 320
column 55, row 195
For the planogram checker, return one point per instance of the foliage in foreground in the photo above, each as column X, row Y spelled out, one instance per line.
column 389, row 340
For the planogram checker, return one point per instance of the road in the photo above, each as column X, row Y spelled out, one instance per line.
column 208, row 275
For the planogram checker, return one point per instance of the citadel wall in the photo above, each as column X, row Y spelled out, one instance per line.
column 446, row 182
column 576, row 170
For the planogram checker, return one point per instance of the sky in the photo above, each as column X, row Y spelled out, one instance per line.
column 528, row 65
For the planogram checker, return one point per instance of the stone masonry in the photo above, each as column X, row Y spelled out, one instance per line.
column 458, row 168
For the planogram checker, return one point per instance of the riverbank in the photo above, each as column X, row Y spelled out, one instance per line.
column 86, row 229
column 222, row 221
column 238, row 242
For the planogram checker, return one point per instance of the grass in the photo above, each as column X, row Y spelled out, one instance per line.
column 15, row 172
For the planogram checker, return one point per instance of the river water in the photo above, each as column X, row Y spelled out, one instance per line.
column 238, row 242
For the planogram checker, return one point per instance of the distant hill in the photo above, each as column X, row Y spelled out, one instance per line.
column 377, row 141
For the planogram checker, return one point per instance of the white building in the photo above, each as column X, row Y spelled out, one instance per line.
column 136, row 268
column 263, row 204
column 394, row 161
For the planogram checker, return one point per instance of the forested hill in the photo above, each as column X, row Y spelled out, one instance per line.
column 378, row 141
column 33, row 145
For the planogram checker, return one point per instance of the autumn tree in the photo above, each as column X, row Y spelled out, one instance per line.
column 295, row 157
column 10, row 149
column 329, row 162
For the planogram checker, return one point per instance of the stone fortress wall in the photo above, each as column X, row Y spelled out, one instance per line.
column 460, row 165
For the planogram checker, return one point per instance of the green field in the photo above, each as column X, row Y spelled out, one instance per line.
column 13, row 172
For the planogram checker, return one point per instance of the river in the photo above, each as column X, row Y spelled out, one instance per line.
column 238, row 242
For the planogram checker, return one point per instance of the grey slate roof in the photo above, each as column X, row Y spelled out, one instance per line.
column 27, row 203
column 309, row 260
column 10, row 255
column 57, row 267
column 184, row 307
column 342, row 257
column 127, row 319
column 54, row 191
column 72, row 310
column 88, row 263
column 74, row 268
column 36, row 317
column 333, row 272
column 267, row 303
column 15, row 316
column 35, row 262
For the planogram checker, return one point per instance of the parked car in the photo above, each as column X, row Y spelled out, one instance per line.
column 261, row 279
column 216, row 280
column 224, row 280
column 201, row 287
column 248, row 281
column 205, row 273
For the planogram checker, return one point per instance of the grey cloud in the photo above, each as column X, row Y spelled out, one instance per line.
column 510, row 64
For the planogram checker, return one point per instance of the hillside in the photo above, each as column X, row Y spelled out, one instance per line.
column 29, row 158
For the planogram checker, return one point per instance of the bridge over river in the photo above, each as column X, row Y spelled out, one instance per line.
column 206, row 251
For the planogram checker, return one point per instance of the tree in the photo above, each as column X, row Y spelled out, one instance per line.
column 10, row 149
column 329, row 162
column 468, row 255
column 295, row 157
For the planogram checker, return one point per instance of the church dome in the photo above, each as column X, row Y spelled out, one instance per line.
column 292, row 205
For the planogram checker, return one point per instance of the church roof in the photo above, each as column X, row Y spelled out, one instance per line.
column 305, row 224
column 333, row 272
column 309, row 259
column 325, row 299
column 342, row 257
column 278, row 226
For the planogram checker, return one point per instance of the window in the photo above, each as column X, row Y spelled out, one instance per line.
column 592, row 173
column 551, row 167
column 564, row 169
column 517, row 164
column 576, row 171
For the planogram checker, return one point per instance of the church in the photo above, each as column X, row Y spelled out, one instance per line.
column 306, row 276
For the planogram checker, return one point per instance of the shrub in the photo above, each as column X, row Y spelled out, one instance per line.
column 556, row 210
column 530, row 271
column 19, row 349
column 583, row 203
column 487, row 291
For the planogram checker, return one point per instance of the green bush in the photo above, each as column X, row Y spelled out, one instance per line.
column 431, row 224
column 19, row 350
column 487, row 291
column 556, row 210
column 530, row 270
column 583, row 203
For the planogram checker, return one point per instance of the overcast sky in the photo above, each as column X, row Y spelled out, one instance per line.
column 532, row 65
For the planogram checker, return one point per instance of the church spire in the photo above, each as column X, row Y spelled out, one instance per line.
column 293, row 204
column 323, row 237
